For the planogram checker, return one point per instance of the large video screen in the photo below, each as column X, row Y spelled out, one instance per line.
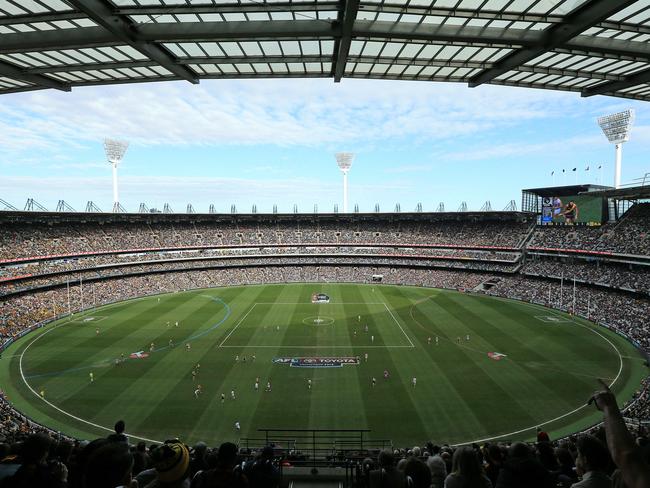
column 572, row 209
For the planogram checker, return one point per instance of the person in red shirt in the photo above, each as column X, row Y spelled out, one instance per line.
column 542, row 436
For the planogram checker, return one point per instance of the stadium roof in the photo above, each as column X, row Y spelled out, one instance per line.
column 568, row 190
column 589, row 46
column 641, row 192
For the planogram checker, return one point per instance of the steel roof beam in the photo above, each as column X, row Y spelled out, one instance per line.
column 585, row 16
column 124, row 30
column 44, row 17
column 10, row 71
column 314, row 29
column 228, row 8
column 638, row 78
column 349, row 15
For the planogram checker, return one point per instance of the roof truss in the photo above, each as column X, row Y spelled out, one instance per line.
column 599, row 47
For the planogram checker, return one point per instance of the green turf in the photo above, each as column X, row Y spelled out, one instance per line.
column 461, row 395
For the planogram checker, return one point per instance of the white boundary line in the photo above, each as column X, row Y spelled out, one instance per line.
column 237, row 325
column 399, row 325
column 620, row 369
column 22, row 374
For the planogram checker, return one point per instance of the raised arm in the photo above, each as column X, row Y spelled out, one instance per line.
column 625, row 453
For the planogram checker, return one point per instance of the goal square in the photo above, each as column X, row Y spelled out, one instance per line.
column 308, row 325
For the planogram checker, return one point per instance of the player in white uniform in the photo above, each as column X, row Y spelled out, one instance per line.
column 187, row 347
column 268, row 385
column 414, row 381
column 309, row 384
column 467, row 337
column 237, row 427
column 198, row 391
column 257, row 386
column 92, row 377
column 232, row 394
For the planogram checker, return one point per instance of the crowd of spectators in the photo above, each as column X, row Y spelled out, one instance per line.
column 31, row 457
column 630, row 235
column 614, row 275
column 29, row 450
column 80, row 263
column 25, row 241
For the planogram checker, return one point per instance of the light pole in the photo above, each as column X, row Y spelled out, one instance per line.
column 616, row 128
column 344, row 162
column 115, row 153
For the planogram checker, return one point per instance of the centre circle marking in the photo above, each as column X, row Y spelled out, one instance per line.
column 318, row 320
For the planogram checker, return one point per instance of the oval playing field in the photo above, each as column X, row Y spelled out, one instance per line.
column 484, row 367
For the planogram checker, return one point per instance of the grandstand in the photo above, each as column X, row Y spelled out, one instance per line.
column 447, row 349
column 49, row 258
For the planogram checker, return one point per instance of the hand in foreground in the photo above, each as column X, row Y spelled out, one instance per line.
column 604, row 399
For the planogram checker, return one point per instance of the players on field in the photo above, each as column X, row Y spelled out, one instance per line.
column 309, row 384
column 237, row 427
column 232, row 394
column 365, row 357
column 268, row 385
column 237, row 358
column 177, row 323
column 374, row 381
column 257, row 385
column 436, row 340
column 223, row 397
column 429, row 340
column 372, row 338
column 193, row 375
column 92, row 376
column 198, row 391
column 414, row 381
column 97, row 331
column 458, row 339
column 467, row 337
column 386, row 374
column 171, row 343
column 187, row 346
column 253, row 358
column 151, row 347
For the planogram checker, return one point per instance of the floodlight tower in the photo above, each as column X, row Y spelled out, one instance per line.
column 616, row 128
column 115, row 153
column 344, row 162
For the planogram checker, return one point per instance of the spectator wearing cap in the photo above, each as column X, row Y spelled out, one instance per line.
column 172, row 462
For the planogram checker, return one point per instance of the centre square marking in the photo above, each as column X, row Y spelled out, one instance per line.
column 390, row 329
column 318, row 320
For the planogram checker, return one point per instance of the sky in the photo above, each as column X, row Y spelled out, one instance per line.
column 266, row 142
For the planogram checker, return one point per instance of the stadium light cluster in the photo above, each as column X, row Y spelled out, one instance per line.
column 344, row 162
column 115, row 151
column 616, row 128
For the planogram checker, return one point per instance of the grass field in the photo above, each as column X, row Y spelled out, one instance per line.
column 549, row 371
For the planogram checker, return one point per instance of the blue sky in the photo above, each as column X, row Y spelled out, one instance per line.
column 273, row 141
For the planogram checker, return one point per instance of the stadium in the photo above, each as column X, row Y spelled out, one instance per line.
column 352, row 348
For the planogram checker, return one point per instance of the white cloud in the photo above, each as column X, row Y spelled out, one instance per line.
column 279, row 112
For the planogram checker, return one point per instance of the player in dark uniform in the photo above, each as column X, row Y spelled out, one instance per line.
column 570, row 212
